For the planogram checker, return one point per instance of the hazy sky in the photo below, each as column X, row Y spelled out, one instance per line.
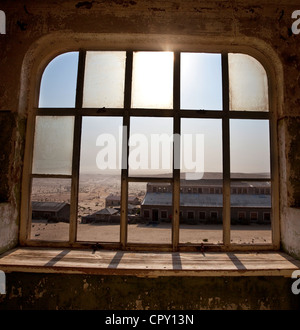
column 201, row 88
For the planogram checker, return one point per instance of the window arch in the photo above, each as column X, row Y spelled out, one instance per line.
column 92, row 123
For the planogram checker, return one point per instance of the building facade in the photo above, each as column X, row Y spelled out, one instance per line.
column 115, row 200
column 51, row 211
column 201, row 202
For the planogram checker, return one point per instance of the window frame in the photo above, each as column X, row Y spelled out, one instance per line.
column 204, row 215
column 190, row 215
column 176, row 113
column 253, row 218
column 164, row 211
column 242, row 215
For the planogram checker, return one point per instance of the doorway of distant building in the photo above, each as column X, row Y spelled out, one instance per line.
column 154, row 215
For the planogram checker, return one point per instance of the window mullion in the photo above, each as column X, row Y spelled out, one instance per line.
column 226, row 152
column 76, row 150
column 274, row 185
column 176, row 152
column 125, row 151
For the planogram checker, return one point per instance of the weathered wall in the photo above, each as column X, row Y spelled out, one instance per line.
column 48, row 291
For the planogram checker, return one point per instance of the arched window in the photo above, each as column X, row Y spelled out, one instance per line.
column 109, row 122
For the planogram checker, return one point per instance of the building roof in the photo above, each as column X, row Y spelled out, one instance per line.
column 113, row 198
column 48, row 206
column 107, row 211
column 118, row 198
column 207, row 200
column 217, row 182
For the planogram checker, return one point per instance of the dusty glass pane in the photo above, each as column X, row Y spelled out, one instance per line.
column 104, row 80
column 151, row 146
column 248, row 84
column 201, row 147
column 201, row 184
column 201, row 81
column 152, row 80
column 53, row 145
column 201, row 205
column 249, row 148
column 101, row 144
column 251, row 212
column 58, row 85
column 50, row 204
column 100, row 180
column 149, row 213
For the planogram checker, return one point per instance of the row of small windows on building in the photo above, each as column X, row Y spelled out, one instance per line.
column 214, row 190
column 202, row 215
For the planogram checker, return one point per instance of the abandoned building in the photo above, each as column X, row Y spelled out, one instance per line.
column 201, row 201
column 51, row 211
column 109, row 214
column 225, row 72
column 115, row 201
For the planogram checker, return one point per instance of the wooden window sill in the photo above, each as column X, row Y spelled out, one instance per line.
column 148, row 264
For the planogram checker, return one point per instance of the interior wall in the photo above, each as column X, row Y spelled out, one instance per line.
column 29, row 291
column 35, row 31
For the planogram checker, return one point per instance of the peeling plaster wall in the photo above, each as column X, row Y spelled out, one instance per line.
column 269, row 23
column 289, row 129
column 88, row 292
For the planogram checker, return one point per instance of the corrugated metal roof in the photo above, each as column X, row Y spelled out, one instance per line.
column 113, row 198
column 118, row 198
column 107, row 211
column 215, row 183
column 47, row 206
column 207, row 200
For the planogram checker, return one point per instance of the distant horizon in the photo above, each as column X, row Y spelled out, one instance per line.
column 169, row 174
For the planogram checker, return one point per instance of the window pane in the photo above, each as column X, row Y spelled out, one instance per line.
column 104, row 80
column 100, row 180
column 151, row 146
column 201, row 204
column 152, row 80
column 150, row 213
column 201, row 147
column 58, row 85
column 201, row 181
column 251, row 212
column 201, row 81
column 249, row 148
column 50, row 203
column 53, row 145
column 248, row 84
column 101, row 145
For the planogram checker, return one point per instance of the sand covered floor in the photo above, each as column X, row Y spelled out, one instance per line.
column 152, row 233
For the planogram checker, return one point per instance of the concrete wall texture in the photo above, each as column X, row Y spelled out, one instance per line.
column 91, row 292
column 36, row 31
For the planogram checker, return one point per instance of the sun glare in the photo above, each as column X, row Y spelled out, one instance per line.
column 152, row 81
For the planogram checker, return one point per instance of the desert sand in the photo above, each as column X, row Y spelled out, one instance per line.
column 161, row 233
column 93, row 190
